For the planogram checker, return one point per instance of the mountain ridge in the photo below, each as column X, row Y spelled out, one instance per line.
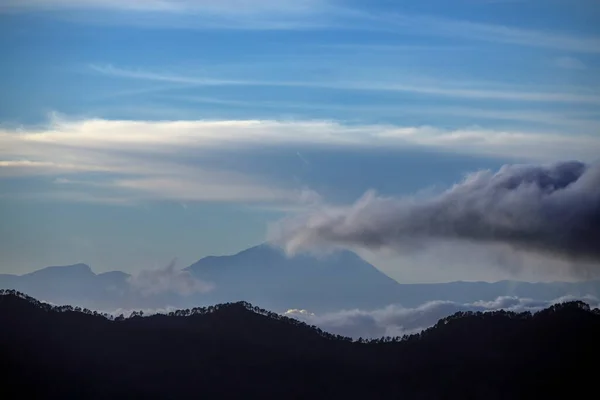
column 239, row 350
column 266, row 276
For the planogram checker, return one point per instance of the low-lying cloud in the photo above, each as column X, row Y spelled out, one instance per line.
column 168, row 280
column 552, row 210
column 395, row 320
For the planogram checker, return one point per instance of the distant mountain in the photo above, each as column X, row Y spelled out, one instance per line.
column 71, row 284
column 236, row 350
column 265, row 276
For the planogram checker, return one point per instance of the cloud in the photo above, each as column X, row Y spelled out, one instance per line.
column 132, row 161
column 395, row 320
column 80, row 142
column 551, row 209
column 168, row 280
column 440, row 88
column 478, row 31
column 570, row 63
column 29, row 167
column 304, row 14
column 184, row 14
column 574, row 121
column 170, row 6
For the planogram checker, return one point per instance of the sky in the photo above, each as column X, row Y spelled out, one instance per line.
column 135, row 132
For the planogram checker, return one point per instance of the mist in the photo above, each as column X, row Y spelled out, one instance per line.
column 396, row 320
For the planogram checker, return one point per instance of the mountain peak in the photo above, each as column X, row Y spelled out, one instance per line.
column 266, row 275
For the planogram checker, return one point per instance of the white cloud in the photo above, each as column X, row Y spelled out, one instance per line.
column 106, row 145
column 395, row 320
column 168, row 280
column 140, row 160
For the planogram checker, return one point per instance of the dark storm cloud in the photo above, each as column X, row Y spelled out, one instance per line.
column 551, row 209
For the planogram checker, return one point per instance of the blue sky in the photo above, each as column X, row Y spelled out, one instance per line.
column 132, row 132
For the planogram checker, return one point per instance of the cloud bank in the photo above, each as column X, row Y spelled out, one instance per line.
column 132, row 161
column 396, row 320
column 83, row 141
column 552, row 209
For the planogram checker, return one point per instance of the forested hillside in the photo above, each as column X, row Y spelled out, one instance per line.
column 237, row 350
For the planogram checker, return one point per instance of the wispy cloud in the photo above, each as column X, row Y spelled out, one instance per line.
column 400, row 48
column 477, row 31
column 172, row 6
column 145, row 160
column 307, row 14
column 439, row 89
column 185, row 14
column 575, row 121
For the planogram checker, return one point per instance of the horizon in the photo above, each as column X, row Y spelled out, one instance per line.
column 174, row 262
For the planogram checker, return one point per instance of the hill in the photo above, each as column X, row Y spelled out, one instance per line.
column 237, row 350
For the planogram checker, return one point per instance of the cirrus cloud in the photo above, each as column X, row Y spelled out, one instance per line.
column 143, row 160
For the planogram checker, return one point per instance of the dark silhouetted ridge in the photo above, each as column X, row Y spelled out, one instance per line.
column 237, row 350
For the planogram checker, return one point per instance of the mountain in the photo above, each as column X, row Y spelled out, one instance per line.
column 71, row 284
column 264, row 275
column 236, row 350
